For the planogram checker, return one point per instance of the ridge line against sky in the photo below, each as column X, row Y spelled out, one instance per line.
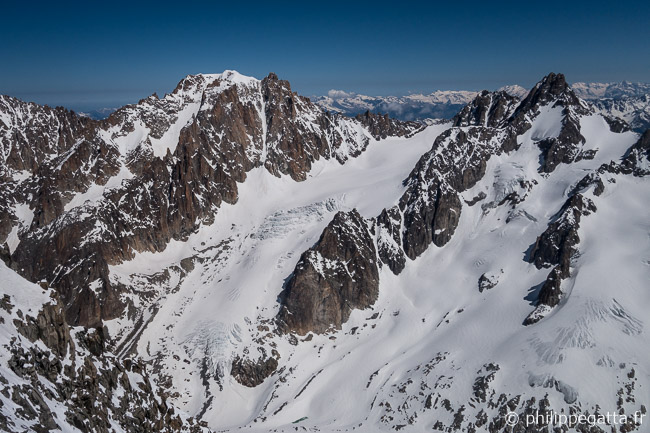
column 92, row 55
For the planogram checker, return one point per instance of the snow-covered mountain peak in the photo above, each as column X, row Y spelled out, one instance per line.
column 231, row 76
column 198, row 81
column 624, row 89
column 552, row 89
column 515, row 90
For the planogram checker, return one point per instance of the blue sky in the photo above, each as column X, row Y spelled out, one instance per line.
column 98, row 54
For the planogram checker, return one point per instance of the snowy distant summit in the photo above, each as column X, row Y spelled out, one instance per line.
column 514, row 90
column 621, row 90
column 441, row 104
column 232, row 256
column 626, row 100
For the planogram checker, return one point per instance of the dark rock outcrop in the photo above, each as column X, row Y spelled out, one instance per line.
column 253, row 373
column 637, row 159
column 488, row 281
column 432, row 204
column 430, row 208
column 490, row 109
column 97, row 391
column 563, row 149
column 556, row 247
column 554, row 90
column 382, row 126
column 338, row 274
column 389, row 239
column 50, row 327
column 557, row 244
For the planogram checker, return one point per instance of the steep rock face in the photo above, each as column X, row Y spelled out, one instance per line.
column 30, row 134
column 166, row 191
column 333, row 277
column 557, row 246
column 382, row 126
column 292, row 146
column 564, row 148
column 431, row 203
column 153, row 172
column 487, row 109
column 50, row 327
column 299, row 133
column 47, row 156
column 389, row 239
column 75, row 238
column 637, row 159
column 553, row 92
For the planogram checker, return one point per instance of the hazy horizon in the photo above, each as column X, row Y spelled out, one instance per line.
column 85, row 55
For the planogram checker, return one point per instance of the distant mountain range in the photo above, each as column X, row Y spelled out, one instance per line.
column 621, row 90
column 625, row 100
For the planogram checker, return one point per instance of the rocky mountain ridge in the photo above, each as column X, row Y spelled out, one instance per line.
column 625, row 100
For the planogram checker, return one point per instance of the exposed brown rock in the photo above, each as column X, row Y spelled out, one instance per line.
column 382, row 126
column 431, row 204
column 50, row 327
column 338, row 274
column 252, row 374
column 389, row 239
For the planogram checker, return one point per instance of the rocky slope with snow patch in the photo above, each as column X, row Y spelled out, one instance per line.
column 58, row 378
